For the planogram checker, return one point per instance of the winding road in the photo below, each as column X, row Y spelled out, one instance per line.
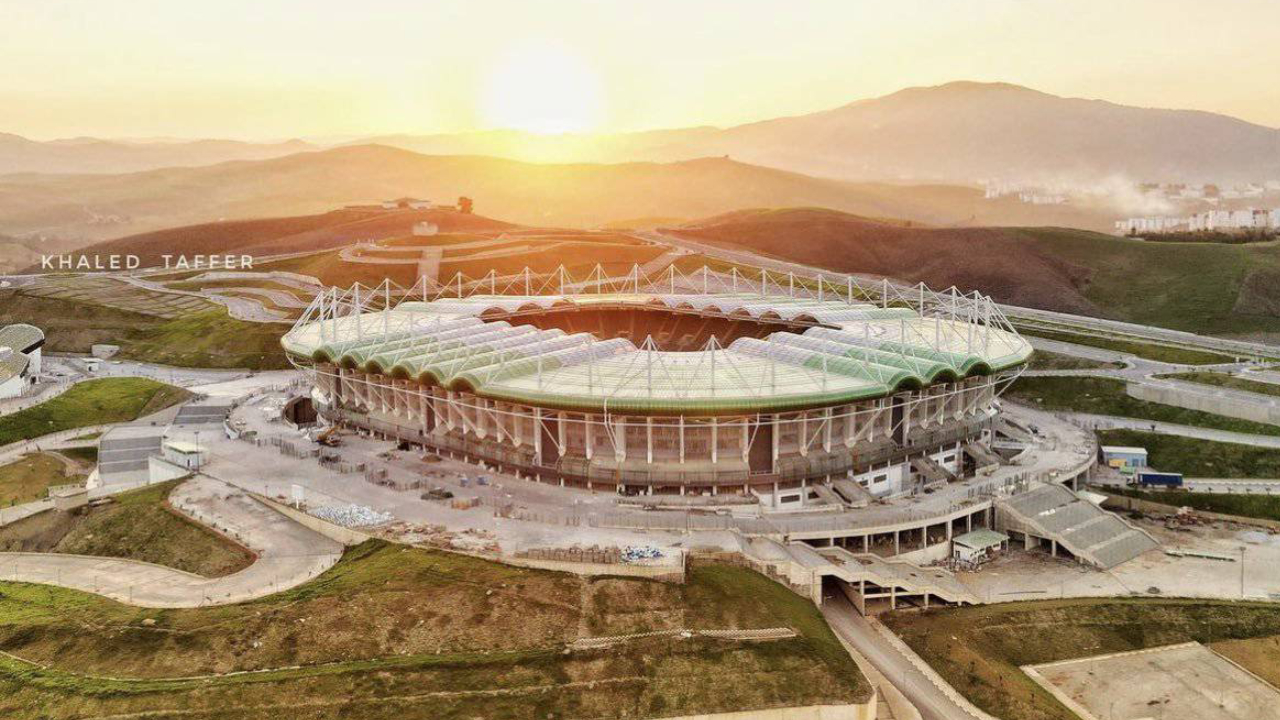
column 288, row 555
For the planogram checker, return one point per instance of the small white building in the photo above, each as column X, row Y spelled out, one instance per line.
column 978, row 546
column 425, row 229
column 184, row 454
column 19, row 358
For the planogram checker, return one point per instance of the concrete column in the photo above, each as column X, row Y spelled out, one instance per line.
column 715, row 441
column 590, row 434
column 681, row 431
column 774, row 435
column 896, row 544
column 560, row 433
column 648, row 439
column 537, row 435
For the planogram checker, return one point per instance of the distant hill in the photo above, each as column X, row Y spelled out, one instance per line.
column 964, row 131
column 576, row 195
column 92, row 155
column 1214, row 289
column 960, row 132
column 277, row 236
column 956, row 133
column 19, row 253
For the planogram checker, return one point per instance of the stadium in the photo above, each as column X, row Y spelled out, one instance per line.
column 770, row 386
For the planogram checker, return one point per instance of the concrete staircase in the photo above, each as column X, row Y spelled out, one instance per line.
column 862, row 577
column 195, row 415
column 984, row 459
column 931, row 471
column 123, row 452
column 1054, row 514
column 909, row 577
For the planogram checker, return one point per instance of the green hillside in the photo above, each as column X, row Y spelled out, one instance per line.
column 1199, row 287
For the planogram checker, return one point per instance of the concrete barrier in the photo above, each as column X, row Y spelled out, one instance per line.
column 667, row 573
column 861, row 711
column 1225, row 406
column 337, row 533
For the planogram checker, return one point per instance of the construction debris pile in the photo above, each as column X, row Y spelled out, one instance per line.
column 469, row 540
column 352, row 516
column 641, row 554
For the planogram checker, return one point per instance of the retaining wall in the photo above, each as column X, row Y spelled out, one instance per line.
column 1228, row 407
column 1124, row 502
column 337, row 533
column 862, row 711
column 668, row 573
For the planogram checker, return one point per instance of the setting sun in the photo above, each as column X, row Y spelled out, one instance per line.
column 541, row 88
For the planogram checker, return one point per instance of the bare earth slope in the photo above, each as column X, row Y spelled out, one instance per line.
column 991, row 259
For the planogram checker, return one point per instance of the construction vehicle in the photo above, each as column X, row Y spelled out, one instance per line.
column 329, row 437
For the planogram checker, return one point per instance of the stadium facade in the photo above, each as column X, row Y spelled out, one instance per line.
column 706, row 383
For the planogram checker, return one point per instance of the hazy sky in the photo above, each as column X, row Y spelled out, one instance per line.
column 263, row 69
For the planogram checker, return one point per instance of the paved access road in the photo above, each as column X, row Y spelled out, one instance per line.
column 288, row 555
column 1112, row 422
column 857, row 631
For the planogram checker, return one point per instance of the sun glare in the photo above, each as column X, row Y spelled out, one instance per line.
column 543, row 89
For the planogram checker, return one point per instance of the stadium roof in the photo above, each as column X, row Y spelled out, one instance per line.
column 15, row 342
column 852, row 351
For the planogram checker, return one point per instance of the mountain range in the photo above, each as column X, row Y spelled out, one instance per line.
column 94, row 207
column 958, row 133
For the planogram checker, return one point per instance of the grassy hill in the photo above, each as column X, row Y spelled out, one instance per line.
column 93, row 402
column 209, row 338
column 137, row 525
column 1214, row 289
column 396, row 632
column 980, row 649
column 29, row 477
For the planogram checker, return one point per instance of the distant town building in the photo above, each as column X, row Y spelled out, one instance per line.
column 407, row 203
column 1207, row 221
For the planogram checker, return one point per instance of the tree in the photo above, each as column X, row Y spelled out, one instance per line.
column 464, row 205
